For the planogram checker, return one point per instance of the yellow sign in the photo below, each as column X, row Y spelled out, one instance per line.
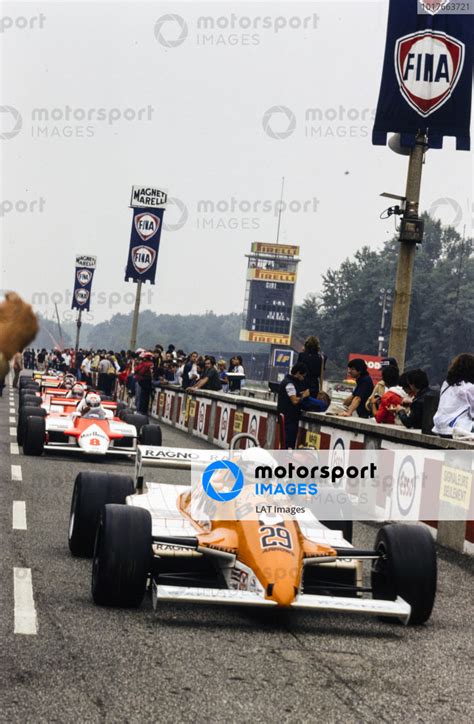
column 190, row 409
column 247, row 336
column 456, row 487
column 270, row 275
column 259, row 247
column 161, row 402
column 313, row 440
column 238, row 422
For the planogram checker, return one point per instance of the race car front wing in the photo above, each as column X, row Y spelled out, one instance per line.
column 398, row 609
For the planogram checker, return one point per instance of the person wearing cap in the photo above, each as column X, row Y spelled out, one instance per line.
column 357, row 369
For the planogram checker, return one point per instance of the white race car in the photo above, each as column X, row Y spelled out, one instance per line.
column 145, row 534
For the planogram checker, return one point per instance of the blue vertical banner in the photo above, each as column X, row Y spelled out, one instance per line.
column 426, row 81
column 144, row 244
column 84, row 274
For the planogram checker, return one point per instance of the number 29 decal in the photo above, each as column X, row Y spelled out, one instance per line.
column 275, row 537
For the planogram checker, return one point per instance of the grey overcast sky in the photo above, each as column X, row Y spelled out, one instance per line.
column 216, row 102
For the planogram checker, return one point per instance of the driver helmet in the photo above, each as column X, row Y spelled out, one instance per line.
column 77, row 390
column 93, row 399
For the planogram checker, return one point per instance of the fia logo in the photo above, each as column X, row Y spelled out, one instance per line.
column 143, row 258
column 81, row 296
column 84, row 276
column 428, row 65
column 146, row 225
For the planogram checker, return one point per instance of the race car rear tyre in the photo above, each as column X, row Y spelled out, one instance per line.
column 151, row 435
column 407, row 568
column 91, row 492
column 134, row 418
column 122, row 556
column 34, row 436
column 25, row 412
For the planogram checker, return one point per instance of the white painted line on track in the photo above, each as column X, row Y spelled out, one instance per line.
column 13, row 431
column 16, row 473
column 12, row 420
column 19, row 515
column 14, row 449
column 25, row 613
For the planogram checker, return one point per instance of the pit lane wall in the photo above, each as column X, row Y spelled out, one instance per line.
column 216, row 417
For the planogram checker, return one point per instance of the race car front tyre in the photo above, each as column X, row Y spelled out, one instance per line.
column 26, row 380
column 91, row 492
column 151, row 435
column 34, row 436
column 122, row 556
column 406, row 567
column 136, row 419
column 23, row 415
column 30, row 400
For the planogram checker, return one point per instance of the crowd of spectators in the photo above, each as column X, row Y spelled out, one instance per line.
column 396, row 399
column 403, row 398
column 139, row 371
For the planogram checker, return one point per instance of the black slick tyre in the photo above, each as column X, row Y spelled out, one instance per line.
column 91, row 492
column 407, row 568
column 122, row 556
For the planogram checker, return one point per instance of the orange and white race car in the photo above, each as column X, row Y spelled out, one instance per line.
column 146, row 532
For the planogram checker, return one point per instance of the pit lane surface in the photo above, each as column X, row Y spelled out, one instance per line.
column 196, row 663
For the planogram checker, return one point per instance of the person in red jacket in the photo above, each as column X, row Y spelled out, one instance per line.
column 391, row 398
column 143, row 378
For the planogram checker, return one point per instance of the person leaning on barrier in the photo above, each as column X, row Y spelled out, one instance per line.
column 18, row 327
column 357, row 369
column 210, row 379
column 410, row 411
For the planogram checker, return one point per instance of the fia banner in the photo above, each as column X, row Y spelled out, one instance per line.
column 144, row 245
column 426, row 82
column 85, row 267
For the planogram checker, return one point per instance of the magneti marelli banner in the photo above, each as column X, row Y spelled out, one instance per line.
column 84, row 274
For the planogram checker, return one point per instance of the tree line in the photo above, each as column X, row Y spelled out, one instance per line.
column 346, row 314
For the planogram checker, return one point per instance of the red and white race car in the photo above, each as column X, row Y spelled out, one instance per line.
column 55, row 422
